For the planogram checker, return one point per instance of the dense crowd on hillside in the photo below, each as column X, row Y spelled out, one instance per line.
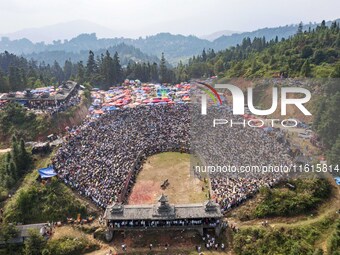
column 237, row 146
column 52, row 108
column 46, row 100
column 99, row 158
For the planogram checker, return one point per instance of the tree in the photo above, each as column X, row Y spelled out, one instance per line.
column 107, row 69
column 57, row 72
column 337, row 41
column 25, row 159
column 81, row 72
column 300, row 28
column 67, row 69
column 306, row 69
column 336, row 71
column 117, row 69
column 306, row 52
column 8, row 232
column 204, row 55
column 163, row 70
column 319, row 56
column 329, row 124
column 91, row 66
column 219, row 66
column 34, row 244
column 3, row 82
column 334, row 154
column 14, row 78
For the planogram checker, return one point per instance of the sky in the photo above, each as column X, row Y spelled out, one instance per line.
column 134, row 18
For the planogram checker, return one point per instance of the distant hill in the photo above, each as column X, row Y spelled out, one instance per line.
column 224, row 42
column 62, row 31
column 213, row 36
column 175, row 47
column 306, row 54
column 126, row 53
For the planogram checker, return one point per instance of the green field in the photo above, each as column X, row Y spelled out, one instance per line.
column 175, row 167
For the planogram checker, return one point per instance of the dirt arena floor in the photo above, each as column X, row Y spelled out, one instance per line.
column 183, row 188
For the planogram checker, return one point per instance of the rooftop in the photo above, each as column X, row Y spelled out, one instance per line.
column 163, row 210
column 41, row 94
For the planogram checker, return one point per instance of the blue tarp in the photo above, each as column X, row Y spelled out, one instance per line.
column 268, row 129
column 337, row 180
column 111, row 108
column 47, row 172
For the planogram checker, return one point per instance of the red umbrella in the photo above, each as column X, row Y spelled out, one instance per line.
column 156, row 101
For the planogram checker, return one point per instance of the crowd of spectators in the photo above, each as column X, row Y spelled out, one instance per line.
column 99, row 158
column 238, row 146
column 51, row 107
column 163, row 223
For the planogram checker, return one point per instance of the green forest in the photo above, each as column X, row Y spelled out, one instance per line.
column 13, row 166
column 312, row 53
column 104, row 71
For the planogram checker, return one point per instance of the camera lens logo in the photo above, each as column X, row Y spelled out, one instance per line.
column 238, row 99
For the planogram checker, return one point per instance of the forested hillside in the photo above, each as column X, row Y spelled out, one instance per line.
column 101, row 70
column 126, row 52
column 312, row 53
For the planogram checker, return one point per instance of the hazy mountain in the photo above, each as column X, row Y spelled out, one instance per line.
column 61, row 31
column 213, row 36
column 175, row 47
column 126, row 53
column 269, row 33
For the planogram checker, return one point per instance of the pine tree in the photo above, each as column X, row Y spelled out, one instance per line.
column 14, row 79
column 25, row 157
column 117, row 69
column 107, row 69
column 91, row 67
column 163, row 70
column 57, row 72
column 154, row 75
column 67, row 69
column 80, row 72
column 3, row 82
column 300, row 28
column 204, row 55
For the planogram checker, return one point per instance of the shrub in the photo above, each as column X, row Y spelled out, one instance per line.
column 308, row 195
column 70, row 246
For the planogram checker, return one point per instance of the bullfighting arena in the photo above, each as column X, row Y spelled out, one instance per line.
column 172, row 166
